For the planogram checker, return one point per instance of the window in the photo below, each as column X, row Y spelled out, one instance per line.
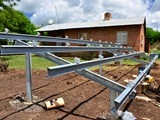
column 82, row 36
column 122, row 37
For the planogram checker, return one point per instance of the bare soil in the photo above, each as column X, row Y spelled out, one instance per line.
column 84, row 99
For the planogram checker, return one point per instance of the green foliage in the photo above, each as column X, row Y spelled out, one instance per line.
column 11, row 2
column 14, row 20
column 3, row 65
column 153, row 35
column 3, row 42
column 45, row 34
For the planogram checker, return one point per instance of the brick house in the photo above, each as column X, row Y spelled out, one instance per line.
column 129, row 32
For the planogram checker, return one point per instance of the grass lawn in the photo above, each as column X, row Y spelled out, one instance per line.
column 39, row 63
column 155, row 51
column 18, row 61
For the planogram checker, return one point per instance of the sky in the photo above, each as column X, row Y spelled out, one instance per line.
column 64, row 11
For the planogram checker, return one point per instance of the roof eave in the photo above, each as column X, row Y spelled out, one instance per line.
column 48, row 30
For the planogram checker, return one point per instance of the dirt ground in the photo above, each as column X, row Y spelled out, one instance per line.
column 84, row 99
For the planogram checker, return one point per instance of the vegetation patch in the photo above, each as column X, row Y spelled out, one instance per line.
column 3, row 65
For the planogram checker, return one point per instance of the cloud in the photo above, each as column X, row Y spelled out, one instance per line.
column 153, row 20
column 29, row 6
column 89, row 10
column 155, row 6
column 127, row 8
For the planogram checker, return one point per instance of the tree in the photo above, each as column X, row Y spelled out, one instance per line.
column 153, row 35
column 14, row 20
column 11, row 2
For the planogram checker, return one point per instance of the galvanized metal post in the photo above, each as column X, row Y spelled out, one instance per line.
column 100, row 66
column 120, row 60
column 29, row 77
column 113, row 95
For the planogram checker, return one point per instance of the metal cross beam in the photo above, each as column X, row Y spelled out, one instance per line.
column 103, row 81
column 134, row 59
column 51, row 39
column 139, row 61
column 58, row 70
column 86, row 73
column 30, row 49
column 131, row 86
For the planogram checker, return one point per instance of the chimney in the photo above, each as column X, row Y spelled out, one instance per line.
column 107, row 16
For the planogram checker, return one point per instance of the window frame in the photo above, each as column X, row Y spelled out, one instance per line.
column 122, row 37
column 82, row 35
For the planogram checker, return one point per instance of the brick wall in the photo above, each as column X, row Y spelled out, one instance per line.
column 136, row 37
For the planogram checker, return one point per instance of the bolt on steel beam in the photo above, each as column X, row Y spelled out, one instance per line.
column 30, row 49
column 50, row 39
column 58, row 70
column 131, row 86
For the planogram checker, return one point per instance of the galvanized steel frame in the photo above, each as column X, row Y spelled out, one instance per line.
column 5, row 49
column 132, row 85
column 86, row 73
column 24, row 48
column 58, row 70
column 52, row 39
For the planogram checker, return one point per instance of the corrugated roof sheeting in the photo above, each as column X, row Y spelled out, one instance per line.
column 108, row 23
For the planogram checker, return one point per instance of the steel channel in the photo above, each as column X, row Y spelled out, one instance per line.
column 29, row 77
column 50, row 39
column 126, row 93
column 134, row 59
column 29, row 49
column 100, row 66
column 139, row 61
column 58, row 70
column 86, row 73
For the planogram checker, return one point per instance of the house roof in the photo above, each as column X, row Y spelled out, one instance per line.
column 108, row 23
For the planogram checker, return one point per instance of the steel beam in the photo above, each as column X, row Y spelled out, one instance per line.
column 58, row 70
column 30, row 49
column 131, row 86
column 100, row 66
column 134, row 59
column 113, row 95
column 51, row 39
column 29, row 77
column 102, row 80
column 139, row 61
column 86, row 73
